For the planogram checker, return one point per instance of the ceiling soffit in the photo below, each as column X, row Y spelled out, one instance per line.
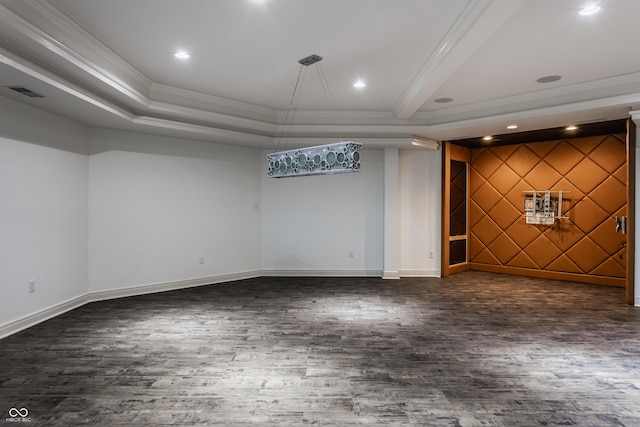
column 88, row 70
column 476, row 24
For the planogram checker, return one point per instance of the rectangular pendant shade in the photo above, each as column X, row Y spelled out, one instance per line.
column 318, row 160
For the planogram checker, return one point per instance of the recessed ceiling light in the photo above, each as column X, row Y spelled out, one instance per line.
column 443, row 100
column 512, row 127
column 548, row 79
column 182, row 54
column 359, row 84
column 572, row 127
column 590, row 9
column 487, row 138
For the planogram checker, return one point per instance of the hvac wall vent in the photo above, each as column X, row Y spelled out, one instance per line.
column 26, row 92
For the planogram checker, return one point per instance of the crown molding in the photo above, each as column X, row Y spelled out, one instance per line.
column 220, row 135
column 47, row 26
column 213, row 119
column 601, row 90
column 311, row 117
column 62, row 84
column 367, row 142
column 557, row 111
column 170, row 95
column 373, row 129
column 351, row 131
column 110, row 83
column 476, row 24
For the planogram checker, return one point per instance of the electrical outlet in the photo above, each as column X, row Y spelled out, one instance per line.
column 431, row 253
column 350, row 254
column 201, row 259
column 32, row 286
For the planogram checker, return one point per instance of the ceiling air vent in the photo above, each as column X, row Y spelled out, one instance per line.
column 26, row 92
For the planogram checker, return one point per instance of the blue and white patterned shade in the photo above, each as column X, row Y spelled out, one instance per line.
column 319, row 160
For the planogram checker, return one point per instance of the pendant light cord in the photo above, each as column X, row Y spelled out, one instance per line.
column 295, row 99
column 289, row 119
column 329, row 96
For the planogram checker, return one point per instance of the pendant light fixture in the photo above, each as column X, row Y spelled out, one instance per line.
column 339, row 157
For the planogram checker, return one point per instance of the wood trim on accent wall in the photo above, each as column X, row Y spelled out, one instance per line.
column 445, row 203
column 462, row 154
column 631, row 211
column 553, row 275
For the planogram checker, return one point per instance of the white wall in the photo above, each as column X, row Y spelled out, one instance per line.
column 157, row 204
column 99, row 213
column 420, row 212
column 43, row 210
column 311, row 224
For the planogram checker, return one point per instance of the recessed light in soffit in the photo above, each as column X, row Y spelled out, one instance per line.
column 590, row 9
column 182, row 54
column 588, row 129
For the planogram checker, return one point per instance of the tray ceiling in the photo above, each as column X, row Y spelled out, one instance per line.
column 111, row 64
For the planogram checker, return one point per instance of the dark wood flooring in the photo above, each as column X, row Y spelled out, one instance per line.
column 475, row 349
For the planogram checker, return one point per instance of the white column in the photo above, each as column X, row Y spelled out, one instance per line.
column 391, row 269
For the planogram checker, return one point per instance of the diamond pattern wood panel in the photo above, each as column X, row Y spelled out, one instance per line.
column 458, row 200
column 592, row 168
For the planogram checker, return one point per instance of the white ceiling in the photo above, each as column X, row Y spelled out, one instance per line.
column 111, row 64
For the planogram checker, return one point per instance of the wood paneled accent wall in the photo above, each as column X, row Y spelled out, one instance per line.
column 460, row 154
column 583, row 247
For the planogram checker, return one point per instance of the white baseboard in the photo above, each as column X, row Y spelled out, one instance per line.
column 170, row 286
column 391, row 275
column 419, row 273
column 42, row 315
column 321, row 273
column 25, row 322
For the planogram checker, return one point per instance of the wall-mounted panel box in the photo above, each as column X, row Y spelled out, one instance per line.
column 543, row 207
